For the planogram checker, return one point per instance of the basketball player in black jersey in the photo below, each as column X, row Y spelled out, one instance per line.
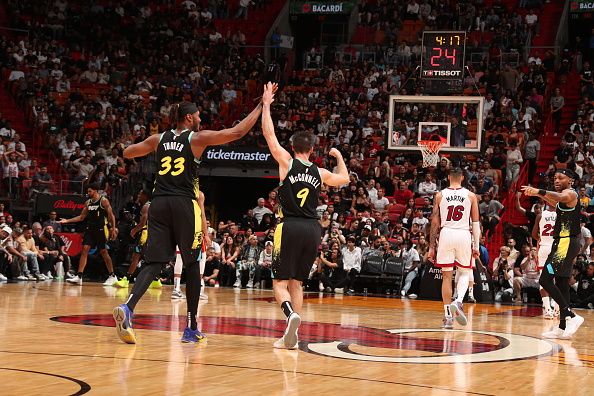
column 297, row 237
column 566, row 246
column 97, row 213
column 140, row 235
column 174, row 215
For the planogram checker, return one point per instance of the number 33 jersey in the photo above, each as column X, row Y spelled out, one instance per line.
column 299, row 192
column 454, row 208
column 177, row 169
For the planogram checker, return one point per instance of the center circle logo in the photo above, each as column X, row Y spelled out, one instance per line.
column 511, row 347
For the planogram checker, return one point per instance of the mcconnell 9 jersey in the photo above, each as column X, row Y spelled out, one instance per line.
column 177, row 167
column 299, row 192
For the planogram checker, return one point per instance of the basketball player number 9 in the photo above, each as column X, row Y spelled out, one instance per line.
column 302, row 195
column 166, row 166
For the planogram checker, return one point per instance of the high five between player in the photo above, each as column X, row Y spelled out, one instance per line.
column 566, row 246
column 174, row 216
column 455, row 214
column 297, row 237
column 543, row 232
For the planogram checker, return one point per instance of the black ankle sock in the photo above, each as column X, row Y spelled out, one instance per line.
column 287, row 308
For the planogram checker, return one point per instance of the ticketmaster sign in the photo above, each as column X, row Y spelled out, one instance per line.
column 322, row 7
column 233, row 156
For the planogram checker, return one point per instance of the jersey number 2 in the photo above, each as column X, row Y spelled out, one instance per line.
column 302, row 195
column 178, row 166
column 547, row 230
column 455, row 213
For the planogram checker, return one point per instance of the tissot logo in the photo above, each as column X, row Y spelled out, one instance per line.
column 442, row 73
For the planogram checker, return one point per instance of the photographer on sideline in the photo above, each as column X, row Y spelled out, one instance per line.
column 503, row 275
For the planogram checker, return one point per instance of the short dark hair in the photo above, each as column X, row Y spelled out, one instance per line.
column 302, row 142
column 93, row 186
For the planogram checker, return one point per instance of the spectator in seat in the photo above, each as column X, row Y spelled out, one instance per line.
column 53, row 222
column 503, row 274
column 6, row 255
column 351, row 258
column 42, row 181
column 489, row 210
column 403, row 193
column 229, row 253
column 83, row 167
column 411, row 260
column 333, row 274
column 361, row 201
column 33, row 255
column 557, row 104
column 248, row 220
column 421, row 220
column 380, row 203
column 483, row 185
column 428, row 186
column 531, row 153
column 53, row 249
column 248, row 262
column 263, row 273
column 260, row 210
column 11, row 172
column 211, row 268
column 272, row 203
column 526, row 274
column 582, row 288
column 514, row 160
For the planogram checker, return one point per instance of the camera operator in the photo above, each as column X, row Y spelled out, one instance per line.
column 582, row 285
column 503, row 275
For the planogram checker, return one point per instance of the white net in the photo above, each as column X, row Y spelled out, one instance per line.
column 430, row 150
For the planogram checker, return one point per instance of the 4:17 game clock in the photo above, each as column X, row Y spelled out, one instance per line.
column 443, row 55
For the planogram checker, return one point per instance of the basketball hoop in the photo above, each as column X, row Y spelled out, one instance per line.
column 430, row 150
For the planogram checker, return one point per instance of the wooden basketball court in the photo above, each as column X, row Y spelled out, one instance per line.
column 58, row 339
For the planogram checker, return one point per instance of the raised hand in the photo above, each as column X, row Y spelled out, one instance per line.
column 334, row 153
column 268, row 95
column 530, row 191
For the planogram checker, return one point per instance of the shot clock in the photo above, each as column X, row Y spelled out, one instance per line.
column 443, row 55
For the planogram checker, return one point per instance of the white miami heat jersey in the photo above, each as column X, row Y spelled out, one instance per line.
column 454, row 208
column 546, row 226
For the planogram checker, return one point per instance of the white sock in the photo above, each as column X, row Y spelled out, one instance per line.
column 546, row 302
column 176, row 283
column 471, row 291
column 446, row 311
column 463, row 281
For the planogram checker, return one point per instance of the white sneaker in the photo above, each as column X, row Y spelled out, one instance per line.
column 290, row 336
column 554, row 333
column 339, row 290
column 280, row 344
column 203, row 295
column 22, row 278
column 40, row 277
column 3, row 278
column 31, row 277
column 257, row 285
column 237, row 283
column 70, row 275
column 110, row 281
column 572, row 325
column 412, row 296
column 321, row 286
column 250, row 284
column 177, row 295
column 548, row 314
column 49, row 275
column 402, row 293
column 76, row 280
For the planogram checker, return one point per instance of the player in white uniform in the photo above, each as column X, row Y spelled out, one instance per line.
column 543, row 233
column 455, row 220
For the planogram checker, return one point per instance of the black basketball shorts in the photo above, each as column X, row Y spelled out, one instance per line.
column 173, row 221
column 96, row 238
column 296, row 242
column 562, row 256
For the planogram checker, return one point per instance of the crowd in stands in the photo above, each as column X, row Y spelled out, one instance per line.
column 95, row 88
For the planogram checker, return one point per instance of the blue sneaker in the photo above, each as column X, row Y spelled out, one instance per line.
column 123, row 318
column 193, row 335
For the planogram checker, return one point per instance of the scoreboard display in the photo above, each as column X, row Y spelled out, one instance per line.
column 443, row 55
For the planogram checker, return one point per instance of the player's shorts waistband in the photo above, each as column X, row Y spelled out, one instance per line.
column 563, row 237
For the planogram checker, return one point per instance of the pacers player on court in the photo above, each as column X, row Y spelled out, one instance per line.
column 97, row 213
column 543, row 233
column 140, row 235
column 174, row 215
column 554, row 277
column 455, row 214
column 297, row 237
